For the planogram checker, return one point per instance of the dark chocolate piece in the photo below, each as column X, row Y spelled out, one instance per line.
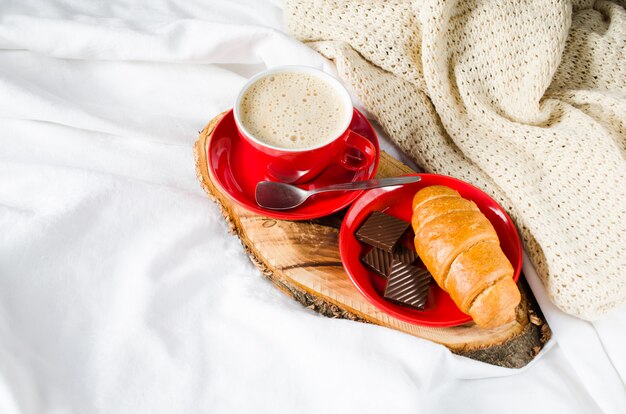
column 379, row 260
column 382, row 230
column 407, row 285
column 405, row 254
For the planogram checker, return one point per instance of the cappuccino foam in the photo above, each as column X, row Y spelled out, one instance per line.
column 293, row 110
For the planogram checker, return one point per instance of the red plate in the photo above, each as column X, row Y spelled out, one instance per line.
column 440, row 310
column 236, row 170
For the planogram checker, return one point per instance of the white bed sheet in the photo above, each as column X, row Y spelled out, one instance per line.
column 121, row 290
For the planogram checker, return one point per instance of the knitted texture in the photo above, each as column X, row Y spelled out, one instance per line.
column 525, row 100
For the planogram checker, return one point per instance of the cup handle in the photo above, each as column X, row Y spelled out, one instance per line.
column 358, row 152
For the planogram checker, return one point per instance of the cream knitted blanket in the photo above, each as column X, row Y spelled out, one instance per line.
column 526, row 100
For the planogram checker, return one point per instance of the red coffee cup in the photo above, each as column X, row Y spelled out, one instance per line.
column 347, row 148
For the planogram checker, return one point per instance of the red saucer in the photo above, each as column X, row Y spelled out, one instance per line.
column 440, row 310
column 236, row 170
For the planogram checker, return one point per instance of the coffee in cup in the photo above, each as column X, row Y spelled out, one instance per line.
column 293, row 111
column 297, row 119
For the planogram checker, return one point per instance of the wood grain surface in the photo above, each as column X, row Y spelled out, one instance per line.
column 302, row 259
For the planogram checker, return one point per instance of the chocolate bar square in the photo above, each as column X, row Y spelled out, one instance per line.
column 407, row 285
column 382, row 230
column 379, row 260
column 405, row 254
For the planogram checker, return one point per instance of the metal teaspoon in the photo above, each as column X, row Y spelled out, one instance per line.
column 281, row 196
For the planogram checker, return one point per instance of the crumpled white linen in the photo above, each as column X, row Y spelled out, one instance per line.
column 121, row 290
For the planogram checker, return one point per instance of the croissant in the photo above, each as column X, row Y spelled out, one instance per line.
column 461, row 249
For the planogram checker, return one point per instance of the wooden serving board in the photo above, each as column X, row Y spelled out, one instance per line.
column 302, row 259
